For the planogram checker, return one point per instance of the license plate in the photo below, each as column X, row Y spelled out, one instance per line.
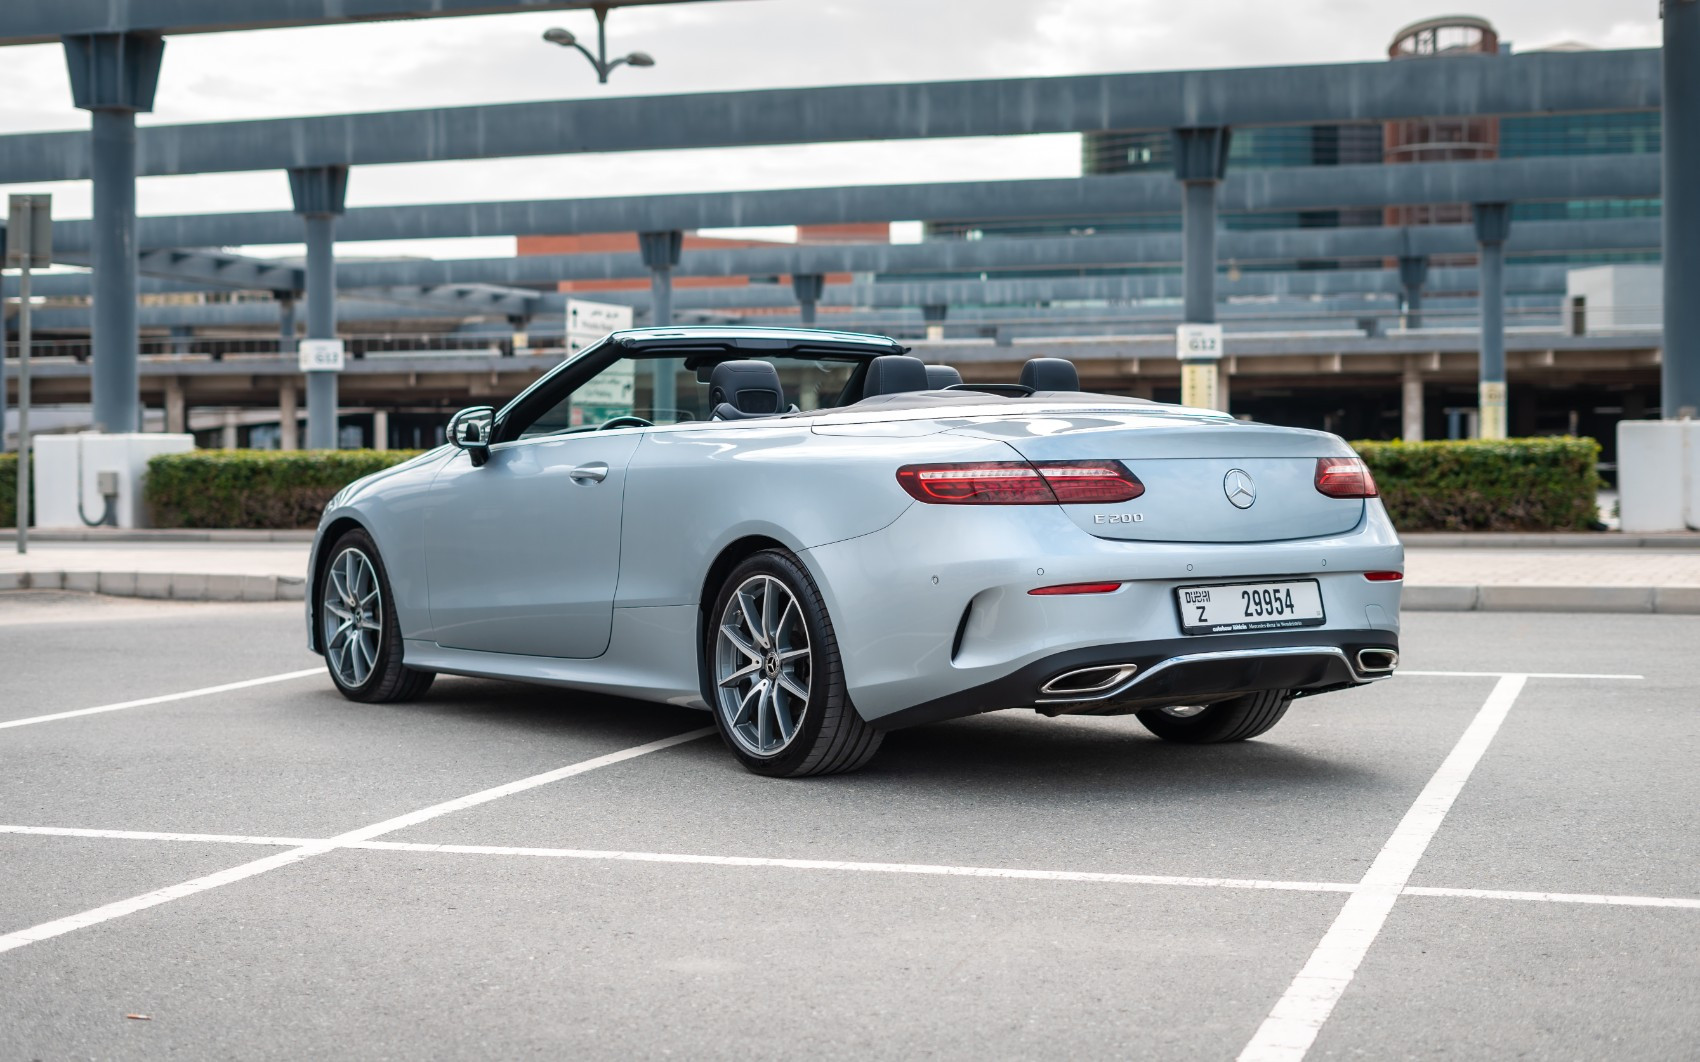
column 1231, row 607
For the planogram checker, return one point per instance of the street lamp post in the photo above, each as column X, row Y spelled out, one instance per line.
column 600, row 60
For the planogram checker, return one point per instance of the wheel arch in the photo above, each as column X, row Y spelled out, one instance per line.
column 327, row 538
column 733, row 554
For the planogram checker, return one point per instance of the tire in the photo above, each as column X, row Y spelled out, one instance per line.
column 364, row 659
column 1236, row 720
column 767, row 636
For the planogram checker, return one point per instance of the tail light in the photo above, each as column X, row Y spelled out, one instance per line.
column 1021, row 483
column 1344, row 477
column 1384, row 577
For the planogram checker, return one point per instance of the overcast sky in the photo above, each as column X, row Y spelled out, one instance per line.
column 727, row 44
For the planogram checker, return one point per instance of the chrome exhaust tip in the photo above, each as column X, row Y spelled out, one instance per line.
column 1377, row 661
column 1085, row 681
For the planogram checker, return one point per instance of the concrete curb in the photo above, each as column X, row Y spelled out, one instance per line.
column 163, row 586
column 1676, row 540
column 1670, row 600
column 170, row 534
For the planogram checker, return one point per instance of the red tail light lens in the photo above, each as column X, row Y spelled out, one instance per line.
column 1076, row 588
column 1384, row 577
column 1344, row 477
column 1021, row 483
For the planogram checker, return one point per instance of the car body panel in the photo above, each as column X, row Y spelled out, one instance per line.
column 501, row 571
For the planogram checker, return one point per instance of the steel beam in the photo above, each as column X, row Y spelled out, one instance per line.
column 46, row 22
column 1531, row 83
column 1121, row 195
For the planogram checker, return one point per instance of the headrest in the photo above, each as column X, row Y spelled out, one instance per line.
column 940, row 377
column 1050, row 374
column 892, row 374
column 749, row 388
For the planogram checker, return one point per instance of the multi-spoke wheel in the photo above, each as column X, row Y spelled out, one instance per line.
column 352, row 613
column 1207, row 724
column 775, row 683
column 357, row 627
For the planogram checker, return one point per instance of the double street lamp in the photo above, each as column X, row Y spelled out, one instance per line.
column 600, row 60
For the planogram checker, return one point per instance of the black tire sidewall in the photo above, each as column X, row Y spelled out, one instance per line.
column 1238, row 719
column 824, row 680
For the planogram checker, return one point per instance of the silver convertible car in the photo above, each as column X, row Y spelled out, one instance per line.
column 820, row 539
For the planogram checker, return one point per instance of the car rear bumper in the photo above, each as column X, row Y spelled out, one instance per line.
column 1113, row 679
column 934, row 615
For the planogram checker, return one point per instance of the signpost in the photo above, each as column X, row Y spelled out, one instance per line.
column 29, row 245
column 1199, row 346
column 612, row 393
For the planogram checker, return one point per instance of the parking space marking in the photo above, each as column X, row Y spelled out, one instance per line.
column 1287, row 1033
column 119, row 909
column 866, row 868
column 854, row 867
column 205, row 691
column 1525, row 674
column 149, row 835
column 1553, row 897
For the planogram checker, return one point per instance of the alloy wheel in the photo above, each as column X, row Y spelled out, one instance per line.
column 353, row 617
column 762, row 666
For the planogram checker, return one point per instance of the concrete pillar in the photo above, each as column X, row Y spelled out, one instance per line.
column 661, row 252
column 1493, row 225
column 288, row 416
column 180, row 339
column 1411, row 406
column 1413, row 272
column 1679, row 375
column 286, row 324
column 176, row 407
column 229, row 438
column 808, row 287
column 934, row 317
column 113, row 76
column 319, row 192
column 1201, row 159
column 380, row 429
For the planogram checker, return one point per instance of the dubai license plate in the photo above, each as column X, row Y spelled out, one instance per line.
column 1233, row 607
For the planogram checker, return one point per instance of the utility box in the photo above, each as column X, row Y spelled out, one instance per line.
column 1658, row 475
column 89, row 478
column 1614, row 298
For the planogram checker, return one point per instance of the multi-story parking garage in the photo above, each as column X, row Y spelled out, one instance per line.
column 1346, row 269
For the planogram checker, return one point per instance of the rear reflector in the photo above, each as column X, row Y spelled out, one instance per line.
column 1076, row 588
column 1021, row 483
column 1384, row 577
column 1344, row 477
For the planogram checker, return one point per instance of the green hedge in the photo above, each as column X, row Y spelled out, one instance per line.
column 1511, row 485
column 265, row 489
column 9, row 490
column 1546, row 484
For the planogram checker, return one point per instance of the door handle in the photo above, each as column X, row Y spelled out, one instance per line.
column 595, row 472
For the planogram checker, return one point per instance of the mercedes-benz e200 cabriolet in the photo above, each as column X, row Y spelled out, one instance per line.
column 820, row 539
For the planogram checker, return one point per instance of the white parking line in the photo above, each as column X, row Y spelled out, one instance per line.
column 119, row 909
column 1287, row 1034
column 1525, row 674
column 151, row 835
column 205, row 691
column 850, row 866
column 1554, row 897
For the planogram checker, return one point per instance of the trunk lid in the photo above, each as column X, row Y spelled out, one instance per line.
column 1191, row 465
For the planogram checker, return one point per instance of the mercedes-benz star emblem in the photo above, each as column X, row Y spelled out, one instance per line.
column 1239, row 488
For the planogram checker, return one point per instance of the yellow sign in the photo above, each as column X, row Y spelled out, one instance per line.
column 1198, row 384
column 1491, row 410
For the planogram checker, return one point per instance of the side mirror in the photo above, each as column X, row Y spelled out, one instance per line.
column 469, row 430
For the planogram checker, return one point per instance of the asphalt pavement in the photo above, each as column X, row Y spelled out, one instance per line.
column 1486, row 857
